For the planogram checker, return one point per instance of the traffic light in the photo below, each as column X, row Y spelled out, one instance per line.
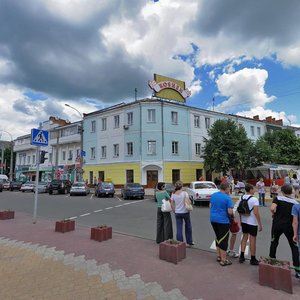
column 42, row 156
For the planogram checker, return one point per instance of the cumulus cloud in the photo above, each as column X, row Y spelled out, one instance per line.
column 244, row 88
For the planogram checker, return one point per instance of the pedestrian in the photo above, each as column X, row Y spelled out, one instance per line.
column 250, row 224
column 261, row 191
column 296, row 229
column 281, row 210
column 164, row 229
column 181, row 214
column 295, row 184
column 221, row 210
column 287, row 179
column 273, row 190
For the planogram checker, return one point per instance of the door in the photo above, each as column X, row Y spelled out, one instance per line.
column 152, row 178
column 175, row 175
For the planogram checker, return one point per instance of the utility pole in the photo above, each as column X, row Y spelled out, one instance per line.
column 135, row 94
column 213, row 101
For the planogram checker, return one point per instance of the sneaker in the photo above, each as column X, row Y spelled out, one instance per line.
column 297, row 274
column 241, row 260
column 232, row 254
column 254, row 262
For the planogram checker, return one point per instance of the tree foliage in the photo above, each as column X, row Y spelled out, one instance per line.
column 280, row 147
column 228, row 147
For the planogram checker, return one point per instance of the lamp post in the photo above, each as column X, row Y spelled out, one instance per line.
column 81, row 138
column 11, row 155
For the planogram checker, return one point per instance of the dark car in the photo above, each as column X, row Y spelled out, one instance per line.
column 132, row 190
column 169, row 187
column 15, row 185
column 62, row 186
column 105, row 188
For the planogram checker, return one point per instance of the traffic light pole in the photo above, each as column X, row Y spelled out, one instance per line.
column 36, row 183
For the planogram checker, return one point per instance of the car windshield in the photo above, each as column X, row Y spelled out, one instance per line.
column 80, row 184
column 107, row 185
column 205, row 185
column 133, row 185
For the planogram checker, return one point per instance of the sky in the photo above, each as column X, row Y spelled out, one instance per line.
column 236, row 57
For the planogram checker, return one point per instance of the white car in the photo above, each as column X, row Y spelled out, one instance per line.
column 42, row 187
column 5, row 184
column 79, row 188
column 27, row 186
column 201, row 191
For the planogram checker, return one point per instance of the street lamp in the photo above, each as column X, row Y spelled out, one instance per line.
column 81, row 138
column 11, row 155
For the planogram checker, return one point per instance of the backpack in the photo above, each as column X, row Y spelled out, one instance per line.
column 243, row 207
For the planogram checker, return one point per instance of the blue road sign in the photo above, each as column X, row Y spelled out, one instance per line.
column 39, row 137
column 83, row 153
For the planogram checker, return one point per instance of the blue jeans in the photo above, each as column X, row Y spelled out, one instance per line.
column 261, row 198
column 188, row 227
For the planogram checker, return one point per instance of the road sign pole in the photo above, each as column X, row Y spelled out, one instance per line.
column 36, row 183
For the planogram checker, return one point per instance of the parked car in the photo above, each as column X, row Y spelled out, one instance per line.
column 42, row 187
column 201, row 191
column 5, row 184
column 62, row 186
column 27, row 186
column 1, row 186
column 169, row 187
column 132, row 190
column 79, row 188
column 105, row 188
column 15, row 185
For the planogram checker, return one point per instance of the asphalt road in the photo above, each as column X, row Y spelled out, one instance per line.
column 132, row 217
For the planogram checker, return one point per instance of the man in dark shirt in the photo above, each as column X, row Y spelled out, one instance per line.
column 281, row 210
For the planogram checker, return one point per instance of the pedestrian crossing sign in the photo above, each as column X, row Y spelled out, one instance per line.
column 39, row 137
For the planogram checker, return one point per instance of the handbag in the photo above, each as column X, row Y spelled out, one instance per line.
column 187, row 202
column 234, row 226
column 166, row 206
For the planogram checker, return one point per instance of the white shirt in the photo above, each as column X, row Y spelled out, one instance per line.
column 250, row 219
column 179, row 202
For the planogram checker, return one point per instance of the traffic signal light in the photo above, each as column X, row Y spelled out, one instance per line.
column 42, row 156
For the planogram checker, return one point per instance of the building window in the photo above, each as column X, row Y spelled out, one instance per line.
column 174, row 147
column 130, row 118
column 77, row 153
column 174, row 117
column 91, row 177
column 197, row 121
column 50, row 157
column 116, row 150
column 252, row 130
column 151, row 147
column 93, row 126
column 103, row 123
column 93, row 152
column 175, row 175
column 129, row 176
column 151, row 115
column 258, row 131
column 117, row 121
column 33, row 158
column 198, row 149
column 64, row 155
column 130, row 148
column 207, row 123
column 28, row 160
column 103, row 152
column 70, row 157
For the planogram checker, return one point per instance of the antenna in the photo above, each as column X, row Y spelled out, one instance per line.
column 213, row 101
column 135, row 94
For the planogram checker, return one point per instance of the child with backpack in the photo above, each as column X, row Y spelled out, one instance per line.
column 248, row 209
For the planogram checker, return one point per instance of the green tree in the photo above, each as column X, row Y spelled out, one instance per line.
column 228, row 147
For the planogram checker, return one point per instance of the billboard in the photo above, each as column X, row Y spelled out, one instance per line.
column 169, row 88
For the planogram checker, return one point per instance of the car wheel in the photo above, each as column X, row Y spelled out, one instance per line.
column 142, row 197
column 50, row 192
column 125, row 197
column 23, row 191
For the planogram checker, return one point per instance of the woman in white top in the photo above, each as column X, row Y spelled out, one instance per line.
column 181, row 213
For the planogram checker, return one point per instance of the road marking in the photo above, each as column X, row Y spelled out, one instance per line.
column 119, row 205
column 109, row 207
column 92, row 196
column 118, row 198
column 98, row 210
column 213, row 246
column 83, row 215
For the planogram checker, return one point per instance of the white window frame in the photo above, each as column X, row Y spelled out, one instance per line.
column 174, row 117
column 28, row 159
column 151, row 147
column 196, row 121
column 103, row 151
column 175, row 147
column 207, row 122
column 130, row 118
column 63, row 155
column 104, row 124
column 116, row 150
column 258, row 131
column 252, row 130
column 130, row 148
column 198, row 149
column 93, row 126
column 70, row 156
column 151, row 115
column 33, row 159
column 117, row 121
column 93, row 152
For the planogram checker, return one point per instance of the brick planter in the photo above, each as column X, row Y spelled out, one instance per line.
column 275, row 274
column 172, row 251
column 101, row 233
column 65, row 226
column 7, row 214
